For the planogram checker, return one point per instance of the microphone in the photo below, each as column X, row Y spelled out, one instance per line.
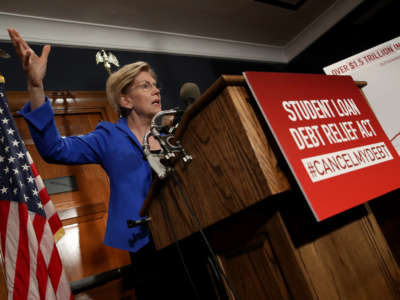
column 188, row 93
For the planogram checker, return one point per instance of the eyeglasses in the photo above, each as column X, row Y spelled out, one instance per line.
column 146, row 86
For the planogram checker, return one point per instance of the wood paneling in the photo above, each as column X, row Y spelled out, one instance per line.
column 250, row 269
column 92, row 192
column 386, row 209
column 83, row 212
column 83, row 252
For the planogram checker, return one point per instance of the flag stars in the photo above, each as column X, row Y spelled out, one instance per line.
column 4, row 190
column 5, row 121
column 10, row 131
column 39, row 205
column 26, row 198
column 21, row 184
column 1, row 158
column 20, row 155
column 11, row 159
column 2, row 139
column 25, row 167
column 6, row 170
column 30, row 179
column 15, row 143
column 15, row 191
column 16, row 172
column 6, row 148
column 1, row 110
column 35, row 192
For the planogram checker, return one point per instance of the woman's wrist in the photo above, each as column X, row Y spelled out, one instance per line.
column 36, row 95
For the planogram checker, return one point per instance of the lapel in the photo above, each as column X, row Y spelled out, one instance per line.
column 123, row 126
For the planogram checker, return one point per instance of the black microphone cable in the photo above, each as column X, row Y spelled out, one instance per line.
column 168, row 217
column 213, row 256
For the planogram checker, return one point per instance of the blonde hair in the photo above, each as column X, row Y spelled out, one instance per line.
column 118, row 82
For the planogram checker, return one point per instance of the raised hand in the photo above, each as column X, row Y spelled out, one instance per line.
column 33, row 66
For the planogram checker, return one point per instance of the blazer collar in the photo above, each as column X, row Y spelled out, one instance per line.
column 122, row 125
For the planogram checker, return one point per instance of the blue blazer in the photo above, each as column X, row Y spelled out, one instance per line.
column 118, row 151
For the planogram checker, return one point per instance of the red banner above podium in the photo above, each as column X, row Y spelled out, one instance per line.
column 330, row 137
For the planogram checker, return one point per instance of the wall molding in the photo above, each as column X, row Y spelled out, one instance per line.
column 81, row 34
column 321, row 25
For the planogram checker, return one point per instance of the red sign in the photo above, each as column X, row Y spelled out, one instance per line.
column 330, row 137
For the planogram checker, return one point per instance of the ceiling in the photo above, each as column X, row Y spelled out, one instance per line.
column 239, row 29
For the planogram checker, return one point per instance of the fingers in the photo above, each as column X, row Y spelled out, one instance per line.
column 14, row 38
column 20, row 40
column 22, row 46
column 11, row 33
column 19, row 43
column 45, row 52
column 27, row 59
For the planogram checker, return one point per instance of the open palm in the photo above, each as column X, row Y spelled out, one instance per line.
column 33, row 65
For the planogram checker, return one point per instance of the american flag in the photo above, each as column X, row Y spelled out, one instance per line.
column 29, row 222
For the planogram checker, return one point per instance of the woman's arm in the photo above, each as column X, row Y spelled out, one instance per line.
column 40, row 117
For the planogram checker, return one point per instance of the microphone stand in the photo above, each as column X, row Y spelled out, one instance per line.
column 159, row 160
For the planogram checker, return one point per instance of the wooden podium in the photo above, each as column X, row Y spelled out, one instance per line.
column 256, row 219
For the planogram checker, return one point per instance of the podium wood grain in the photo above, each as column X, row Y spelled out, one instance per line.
column 233, row 165
column 266, row 238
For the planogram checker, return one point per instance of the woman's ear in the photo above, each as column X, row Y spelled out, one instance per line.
column 125, row 101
